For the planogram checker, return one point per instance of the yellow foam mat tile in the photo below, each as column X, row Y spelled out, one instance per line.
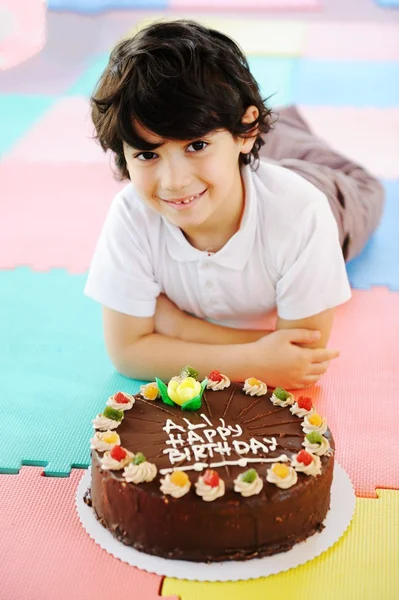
column 362, row 565
column 271, row 38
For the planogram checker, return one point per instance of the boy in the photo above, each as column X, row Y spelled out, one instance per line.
column 206, row 239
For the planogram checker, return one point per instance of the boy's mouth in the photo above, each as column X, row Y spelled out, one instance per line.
column 186, row 202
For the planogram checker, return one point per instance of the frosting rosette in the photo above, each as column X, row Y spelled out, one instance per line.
column 143, row 472
column 150, row 391
column 314, row 422
column 217, row 381
column 116, row 459
column 176, row 484
column 104, row 440
column 282, row 476
column 209, row 493
column 316, row 443
column 305, row 462
column 254, row 387
column 300, row 412
column 248, row 483
column 107, row 419
column 121, row 401
column 282, row 398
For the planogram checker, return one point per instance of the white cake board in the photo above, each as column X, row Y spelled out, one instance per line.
column 343, row 501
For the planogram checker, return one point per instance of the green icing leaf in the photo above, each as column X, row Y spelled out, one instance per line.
column 281, row 394
column 139, row 458
column 249, row 476
column 113, row 413
column 189, row 372
column 314, row 437
column 164, row 392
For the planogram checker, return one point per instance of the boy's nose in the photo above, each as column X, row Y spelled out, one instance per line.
column 175, row 176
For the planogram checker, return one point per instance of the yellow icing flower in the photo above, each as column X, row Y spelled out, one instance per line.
column 110, row 437
column 183, row 391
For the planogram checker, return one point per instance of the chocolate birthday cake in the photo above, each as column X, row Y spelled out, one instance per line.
column 211, row 471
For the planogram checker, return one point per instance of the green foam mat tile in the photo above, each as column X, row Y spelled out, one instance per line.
column 55, row 374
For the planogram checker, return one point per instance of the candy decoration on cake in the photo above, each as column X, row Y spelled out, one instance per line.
column 307, row 463
column 150, row 391
column 254, row 387
column 184, row 390
column 210, row 486
column 282, row 398
column 282, row 476
column 177, row 484
column 110, row 418
column 104, row 440
column 248, row 483
column 217, row 381
column 314, row 422
column 121, row 401
column 139, row 470
column 316, row 443
column 302, row 407
column 116, row 459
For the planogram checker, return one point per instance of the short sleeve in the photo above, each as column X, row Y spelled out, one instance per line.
column 121, row 275
column 312, row 273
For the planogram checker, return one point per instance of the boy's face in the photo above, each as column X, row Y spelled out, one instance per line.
column 194, row 184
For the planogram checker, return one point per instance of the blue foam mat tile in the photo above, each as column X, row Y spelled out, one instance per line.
column 378, row 264
column 55, row 375
column 17, row 115
column 96, row 6
column 347, row 83
column 388, row 3
column 275, row 76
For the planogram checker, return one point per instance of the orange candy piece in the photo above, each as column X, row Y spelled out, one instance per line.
column 315, row 420
column 253, row 381
column 280, row 470
column 179, row 478
column 151, row 391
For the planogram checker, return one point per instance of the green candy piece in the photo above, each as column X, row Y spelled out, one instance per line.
column 249, row 476
column 189, row 372
column 281, row 394
column 139, row 458
column 314, row 437
column 113, row 413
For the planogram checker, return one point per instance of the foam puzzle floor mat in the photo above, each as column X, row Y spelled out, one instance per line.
column 46, row 553
column 56, row 377
column 40, row 529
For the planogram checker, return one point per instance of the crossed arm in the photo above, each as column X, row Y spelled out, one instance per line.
column 293, row 356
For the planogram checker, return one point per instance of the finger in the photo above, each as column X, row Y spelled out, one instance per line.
column 319, row 368
column 306, row 382
column 322, row 354
column 302, row 336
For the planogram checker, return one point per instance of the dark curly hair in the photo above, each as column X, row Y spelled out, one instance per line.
column 180, row 81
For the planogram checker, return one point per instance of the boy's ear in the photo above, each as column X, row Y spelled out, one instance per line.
column 250, row 115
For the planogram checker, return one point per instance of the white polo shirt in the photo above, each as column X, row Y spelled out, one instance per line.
column 286, row 254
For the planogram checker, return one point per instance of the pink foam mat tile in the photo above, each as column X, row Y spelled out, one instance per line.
column 52, row 214
column 47, row 555
column 63, row 135
column 248, row 5
column 369, row 136
column 359, row 393
column 351, row 40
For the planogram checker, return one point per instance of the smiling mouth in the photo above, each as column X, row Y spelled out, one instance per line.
column 185, row 201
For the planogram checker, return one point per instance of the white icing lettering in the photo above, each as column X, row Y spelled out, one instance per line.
column 272, row 442
column 198, row 452
column 223, row 431
column 256, row 445
column 177, row 455
column 210, row 434
column 206, row 419
column 237, row 429
column 176, row 441
column 194, row 438
column 169, row 425
column 240, row 447
column 191, row 426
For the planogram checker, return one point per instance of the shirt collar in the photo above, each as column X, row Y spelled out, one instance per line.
column 235, row 253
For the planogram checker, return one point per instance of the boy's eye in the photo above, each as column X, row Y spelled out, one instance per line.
column 196, row 146
column 146, row 155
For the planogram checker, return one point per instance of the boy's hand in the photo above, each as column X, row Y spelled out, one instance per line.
column 287, row 365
